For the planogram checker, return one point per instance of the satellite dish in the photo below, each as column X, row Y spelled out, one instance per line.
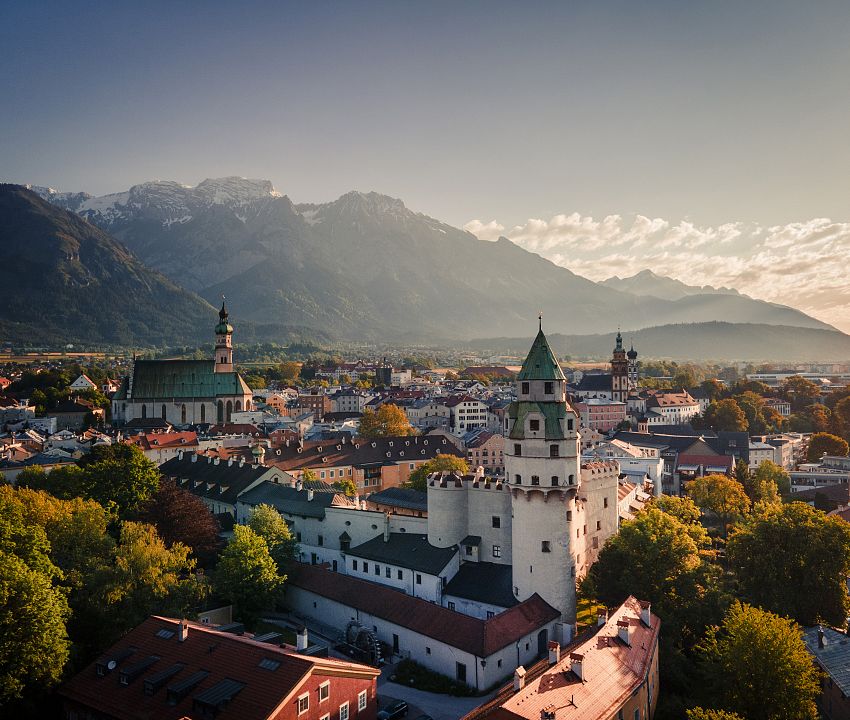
column 111, row 665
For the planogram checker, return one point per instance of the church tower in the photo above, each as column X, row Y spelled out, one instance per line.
column 619, row 372
column 543, row 471
column 633, row 369
column 223, row 342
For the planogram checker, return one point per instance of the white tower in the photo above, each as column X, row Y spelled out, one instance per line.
column 542, row 466
column 223, row 342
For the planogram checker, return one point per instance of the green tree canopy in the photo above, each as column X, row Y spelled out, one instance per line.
column 247, row 575
column 758, row 666
column 181, row 517
column 389, row 421
column 269, row 524
column 721, row 495
column 800, row 392
column 346, row 485
column 699, row 713
column 726, row 415
column 682, row 508
column 793, row 560
column 418, row 479
column 766, row 475
column 64, row 482
column 821, row 443
column 119, row 474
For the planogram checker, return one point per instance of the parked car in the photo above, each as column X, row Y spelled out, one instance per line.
column 393, row 711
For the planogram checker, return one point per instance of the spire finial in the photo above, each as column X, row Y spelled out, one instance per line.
column 540, row 321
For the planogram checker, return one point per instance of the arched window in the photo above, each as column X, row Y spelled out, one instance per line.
column 572, row 479
column 203, row 412
column 518, row 479
column 238, row 406
column 535, row 480
column 183, row 414
column 247, row 404
column 162, row 412
column 554, row 481
column 220, row 414
column 144, row 411
column 229, row 411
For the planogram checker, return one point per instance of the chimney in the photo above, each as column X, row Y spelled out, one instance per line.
column 230, row 462
column 624, row 631
column 602, row 618
column 299, row 485
column 182, row 631
column 821, row 638
column 479, row 473
column 386, row 527
column 577, row 665
column 309, row 495
column 554, row 652
column 194, row 457
column 645, row 614
column 301, row 642
column 179, row 454
column 519, row 678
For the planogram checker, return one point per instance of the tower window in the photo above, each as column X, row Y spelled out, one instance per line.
column 497, row 551
column 497, row 521
column 572, row 479
column 517, row 449
column 518, row 479
column 605, row 502
column 535, row 480
column 524, row 388
column 534, row 425
column 554, row 481
column 548, row 388
column 554, row 451
column 570, row 424
column 545, row 546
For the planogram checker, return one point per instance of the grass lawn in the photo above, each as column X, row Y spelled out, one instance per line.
column 587, row 612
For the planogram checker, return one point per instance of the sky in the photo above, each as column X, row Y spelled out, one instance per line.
column 576, row 127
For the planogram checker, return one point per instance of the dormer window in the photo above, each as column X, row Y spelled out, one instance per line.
column 548, row 387
column 524, row 388
column 534, row 425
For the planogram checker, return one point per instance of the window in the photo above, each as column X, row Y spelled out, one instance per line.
column 598, row 524
column 554, row 481
column 637, row 714
column 343, row 711
column 548, row 387
column 469, row 549
column 377, row 569
column 324, row 691
column 535, row 480
column 399, row 574
column 497, row 551
column 490, row 614
column 517, row 449
column 362, row 701
column 395, row 644
column 524, row 388
column 545, row 546
column 553, row 451
column 518, row 479
column 585, row 530
column 460, row 672
column 353, row 564
column 365, row 567
column 497, row 521
column 569, row 515
column 572, row 479
column 605, row 502
column 298, row 537
column 388, row 572
column 418, row 579
column 534, row 425
column 303, row 703
column 451, row 607
column 321, row 540
column 570, row 424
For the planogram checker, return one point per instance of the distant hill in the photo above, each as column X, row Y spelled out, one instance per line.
column 721, row 341
column 63, row 280
column 366, row 267
column 647, row 282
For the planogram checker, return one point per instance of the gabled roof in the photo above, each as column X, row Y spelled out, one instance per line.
column 597, row 382
column 483, row 582
column 290, row 501
column 206, row 478
column 231, row 662
column 407, row 550
column 833, row 657
column 472, row 635
column 541, row 363
column 187, row 379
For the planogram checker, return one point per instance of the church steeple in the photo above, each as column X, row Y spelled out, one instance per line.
column 540, row 363
column 223, row 342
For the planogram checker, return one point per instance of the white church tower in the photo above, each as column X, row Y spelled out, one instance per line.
column 542, row 466
column 223, row 343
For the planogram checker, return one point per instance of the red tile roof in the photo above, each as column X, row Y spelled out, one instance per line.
column 611, row 672
column 473, row 635
column 223, row 655
column 158, row 441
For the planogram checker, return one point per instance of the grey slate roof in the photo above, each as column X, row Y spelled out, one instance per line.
column 483, row 582
column 289, row 501
column 834, row 657
column 407, row 550
column 595, row 383
column 399, row 497
column 221, row 482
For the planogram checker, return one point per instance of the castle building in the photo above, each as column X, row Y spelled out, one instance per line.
column 185, row 392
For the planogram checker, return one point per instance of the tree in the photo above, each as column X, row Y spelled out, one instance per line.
column 681, row 508
column 742, row 471
column 792, row 559
column 820, row 416
column 752, row 405
column 759, row 667
column 64, row 482
column 418, row 479
column 309, row 475
column 800, row 392
column 712, row 388
column 347, row 485
column 149, row 578
column 699, row 713
column 247, row 575
column 841, row 416
column 824, row 443
column 34, row 645
column 181, row 517
column 269, row 524
column 768, row 473
column 119, row 474
column 726, row 415
column 389, row 421
column 720, row 494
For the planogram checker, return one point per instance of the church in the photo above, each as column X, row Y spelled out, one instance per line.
column 617, row 385
column 185, row 392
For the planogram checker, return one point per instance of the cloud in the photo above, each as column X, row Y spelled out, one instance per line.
column 801, row 264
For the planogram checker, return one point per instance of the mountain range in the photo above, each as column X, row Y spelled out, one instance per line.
column 366, row 267
column 647, row 282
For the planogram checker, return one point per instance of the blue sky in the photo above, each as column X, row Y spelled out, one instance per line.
column 706, row 112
